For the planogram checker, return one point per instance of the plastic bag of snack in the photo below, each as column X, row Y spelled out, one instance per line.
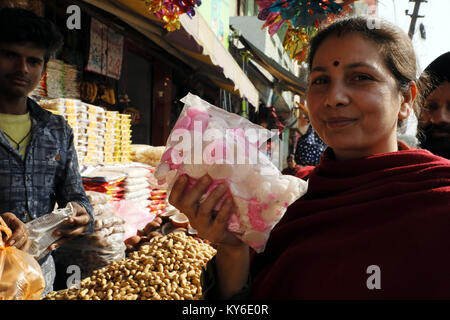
column 20, row 274
column 104, row 181
column 146, row 154
column 41, row 230
column 99, row 249
column 105, row 217
column 227, row 147
column 135, row 215
column 97, row 198
column 91, row 253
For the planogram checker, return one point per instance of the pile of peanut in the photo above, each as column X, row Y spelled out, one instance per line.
column 165, row 268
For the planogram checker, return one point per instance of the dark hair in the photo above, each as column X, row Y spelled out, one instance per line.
column 440, row 68
column 290, row 156
column 395, row 46
column 18, row 25
column 438, row 71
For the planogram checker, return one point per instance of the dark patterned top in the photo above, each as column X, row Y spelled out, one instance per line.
column 309, row 148
column 49, row 173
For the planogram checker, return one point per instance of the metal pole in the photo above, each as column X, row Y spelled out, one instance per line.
column 414, row 16
column 245, row 57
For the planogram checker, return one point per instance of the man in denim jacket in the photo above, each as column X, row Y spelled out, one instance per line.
column 38, row 161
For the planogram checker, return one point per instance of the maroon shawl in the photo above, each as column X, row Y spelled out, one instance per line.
column 390, row 210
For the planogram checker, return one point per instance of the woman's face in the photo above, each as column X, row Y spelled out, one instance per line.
column 353, row 98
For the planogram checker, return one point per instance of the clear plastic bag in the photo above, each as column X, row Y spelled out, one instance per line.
column 41, row 230
column 91, row 252
column 97, row 250
column 131, row 187
column 227, row 147
column 101, row 209
column 137, row 181
column 105, row 217
column 96, row 198
column 137, row 195
column 135, row 215
column 21, row 276
column 146, row 154
column 134, row 172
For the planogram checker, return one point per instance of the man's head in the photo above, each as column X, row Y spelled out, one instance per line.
column 26, row 43
column 434, row 124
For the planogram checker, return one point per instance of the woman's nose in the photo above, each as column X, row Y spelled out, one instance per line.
column 336, row 95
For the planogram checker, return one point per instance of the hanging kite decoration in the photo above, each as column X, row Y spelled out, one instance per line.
column 170, row 10
column 303, row 19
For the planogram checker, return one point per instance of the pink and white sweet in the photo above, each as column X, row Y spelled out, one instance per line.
column 218, row 143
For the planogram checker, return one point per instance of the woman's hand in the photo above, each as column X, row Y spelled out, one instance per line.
column 201, row 216
column 232, row 258
column 75, row 226
column 19, row 238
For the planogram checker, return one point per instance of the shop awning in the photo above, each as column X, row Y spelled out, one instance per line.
column 195, row 44
column 286, row 79
column 204, row 36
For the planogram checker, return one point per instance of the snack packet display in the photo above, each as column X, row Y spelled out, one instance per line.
column 146, row 154
column 228, row 147
column 105, row 181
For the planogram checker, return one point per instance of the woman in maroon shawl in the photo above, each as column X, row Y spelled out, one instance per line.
column 375, row 222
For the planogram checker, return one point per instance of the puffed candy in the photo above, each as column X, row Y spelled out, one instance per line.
column 255, row 239
column 241, row 172
column 263, row 190
column 220, row 171
column 230, row 154
column 241, row 190
column 194, row 170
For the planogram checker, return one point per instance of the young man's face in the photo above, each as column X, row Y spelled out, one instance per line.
column 21, row 68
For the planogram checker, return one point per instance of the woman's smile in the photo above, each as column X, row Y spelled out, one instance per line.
column 339, row 122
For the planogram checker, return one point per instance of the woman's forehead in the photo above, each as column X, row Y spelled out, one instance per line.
column 347, row 49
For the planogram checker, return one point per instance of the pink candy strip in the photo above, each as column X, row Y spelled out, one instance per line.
column 255, row 209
